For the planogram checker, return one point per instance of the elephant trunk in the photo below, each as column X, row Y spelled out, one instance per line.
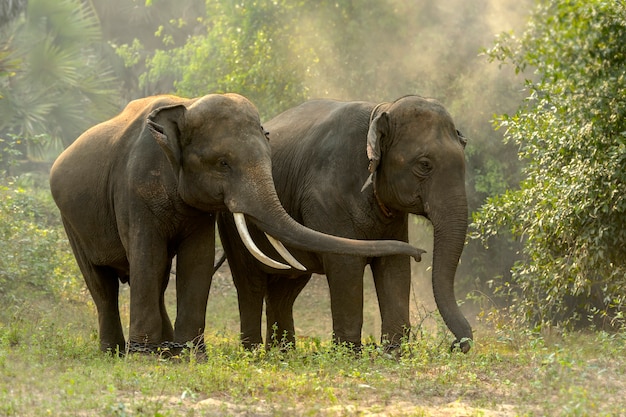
column 278, row 224
column 449, row 239
column 265, row 209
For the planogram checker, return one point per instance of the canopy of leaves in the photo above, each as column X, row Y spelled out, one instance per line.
column 570, row 210
column 249, row 47
column 279, row 53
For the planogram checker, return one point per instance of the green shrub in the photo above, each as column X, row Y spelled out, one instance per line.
column 569, row 212
column 35, row 257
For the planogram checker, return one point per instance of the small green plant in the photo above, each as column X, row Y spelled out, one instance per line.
column 10, row 151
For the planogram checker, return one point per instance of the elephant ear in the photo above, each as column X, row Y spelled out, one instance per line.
column 165, row 125
column 378, row 128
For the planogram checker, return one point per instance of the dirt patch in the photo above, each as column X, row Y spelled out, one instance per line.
column 219, row 407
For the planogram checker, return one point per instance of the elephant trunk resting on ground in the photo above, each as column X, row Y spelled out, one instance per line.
column 357, row 169
column 144, row 186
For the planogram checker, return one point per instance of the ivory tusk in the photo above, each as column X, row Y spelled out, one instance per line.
column 282, row 251
column 242, row 228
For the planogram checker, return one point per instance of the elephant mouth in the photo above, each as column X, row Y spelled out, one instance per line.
column 242, row 228
column 415, row 205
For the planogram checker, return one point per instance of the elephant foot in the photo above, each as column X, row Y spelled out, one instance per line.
column 282, row 346
column 170, row 350
column 393, row 350
column 250, row 345
column 356, row 348
column 464, row 345
column 385, row 349
column 114, row 349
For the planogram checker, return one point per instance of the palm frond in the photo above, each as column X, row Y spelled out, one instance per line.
column 10, row 9
column 63, row 85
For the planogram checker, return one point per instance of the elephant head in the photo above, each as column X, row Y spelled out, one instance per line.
column 224, row 162
column 417, row 165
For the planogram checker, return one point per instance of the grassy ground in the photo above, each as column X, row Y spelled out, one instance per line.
column 50, row 365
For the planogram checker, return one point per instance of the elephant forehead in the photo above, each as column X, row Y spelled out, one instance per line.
column 235, row 145
column 423, row 125
column 230, row 107
column 419, row 133
column 425, row 138
column 414, row 108
column 422, row 117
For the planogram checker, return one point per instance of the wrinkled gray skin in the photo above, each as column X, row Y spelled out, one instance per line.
column 144, row 186
column 320, row 163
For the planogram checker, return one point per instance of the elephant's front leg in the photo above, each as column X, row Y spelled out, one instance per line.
column 250, row 282
column 194, row 274
column 392, row 277
column 345, row 280
column 149, row 269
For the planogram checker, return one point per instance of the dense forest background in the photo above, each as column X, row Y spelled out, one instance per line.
column 538, row 87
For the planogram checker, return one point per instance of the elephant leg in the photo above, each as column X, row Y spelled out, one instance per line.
column 282, row 292
column 251, row 285
column 103, row 284
column 149, row 268
column 345, row 281
column 250, row 313
column 392, row 278
column 194, row 274
column 249, row 280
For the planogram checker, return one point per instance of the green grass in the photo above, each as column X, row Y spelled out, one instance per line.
column 50, row 363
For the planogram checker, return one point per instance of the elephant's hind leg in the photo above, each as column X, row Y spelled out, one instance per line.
column 103, row 284
column 109, row 322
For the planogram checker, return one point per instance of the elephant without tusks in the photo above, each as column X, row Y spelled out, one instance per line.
column 356, row 169
column 146, row 185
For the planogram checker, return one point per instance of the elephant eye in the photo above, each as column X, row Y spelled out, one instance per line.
column 266, row 133
column 222, row 164
column 423, row 167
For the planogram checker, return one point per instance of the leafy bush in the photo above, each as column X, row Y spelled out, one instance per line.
column 35, row 258
column 570, row 210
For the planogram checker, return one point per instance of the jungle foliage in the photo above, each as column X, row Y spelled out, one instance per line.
column 54, row 82
column 570, row 209
column 10, row 9
column 36, row 262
